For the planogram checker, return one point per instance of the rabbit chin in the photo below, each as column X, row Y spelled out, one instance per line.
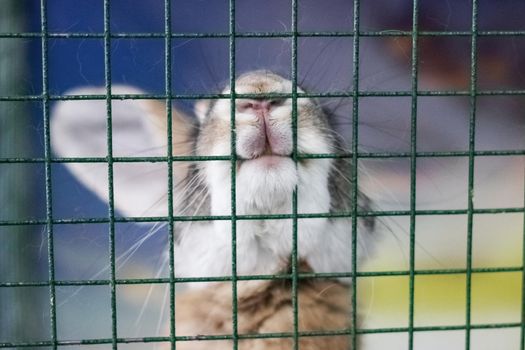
column 266, row 183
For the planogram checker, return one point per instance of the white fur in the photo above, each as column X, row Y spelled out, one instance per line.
column 263, row 246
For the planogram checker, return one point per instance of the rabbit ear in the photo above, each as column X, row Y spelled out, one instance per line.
column 79, row 129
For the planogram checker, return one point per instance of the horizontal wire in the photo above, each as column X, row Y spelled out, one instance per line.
column 159, row 35
column 380, row 213
column 161, row 159
column 301, row 275
column 334, row 94
column 260, row 335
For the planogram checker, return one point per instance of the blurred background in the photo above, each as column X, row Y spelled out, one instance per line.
column 324, row 65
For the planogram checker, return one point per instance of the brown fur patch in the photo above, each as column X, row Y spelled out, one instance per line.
column 265, row 307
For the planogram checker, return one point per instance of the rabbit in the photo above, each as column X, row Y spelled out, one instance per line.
column 266, row 176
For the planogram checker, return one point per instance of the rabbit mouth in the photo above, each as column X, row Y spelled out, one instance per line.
column 267, row 152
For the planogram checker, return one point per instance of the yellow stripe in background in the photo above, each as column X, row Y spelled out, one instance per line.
column 440, row 299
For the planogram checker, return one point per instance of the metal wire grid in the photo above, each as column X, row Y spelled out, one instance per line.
column 355, row 155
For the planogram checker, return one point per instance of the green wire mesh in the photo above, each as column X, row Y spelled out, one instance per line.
column 15, row 192
column 355, row 155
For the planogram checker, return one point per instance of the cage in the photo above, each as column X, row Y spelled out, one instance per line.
column 429, row 98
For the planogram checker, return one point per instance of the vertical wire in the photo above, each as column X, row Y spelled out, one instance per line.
column 233, row 154
column 522, row 336
column 169, row 125
column 472, row 141
column 354, row 174
column 109, row 137
column 295, row 272
column 413, row 163
column 48, row 182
